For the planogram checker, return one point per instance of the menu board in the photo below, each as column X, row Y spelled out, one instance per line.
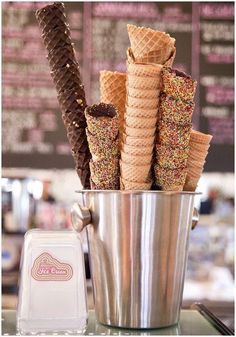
column 33, row 133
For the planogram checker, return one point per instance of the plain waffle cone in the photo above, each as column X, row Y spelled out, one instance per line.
column 199, row 137
column 142, row 103
column 144, row 93
column 144, row 70
column 113, row 89
column 190, row 184
column 137, row 150
column 136, row 160
column 138, row 132
column 138, row 112
column 145, row 40
column 134, row 173
column 140, row 122
column 129, row 185
column 138, row 141
column 142, row 82
column 198, row 146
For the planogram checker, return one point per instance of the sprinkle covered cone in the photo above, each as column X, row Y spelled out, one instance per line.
column 136, row 160
column 135, row 173
column 145, row 41
column 173, row 134
column 101, row 148
column 178, row 85
column 171, row 157
column 170, row 179
column 175, row 110
column 102, row 134
column 129, row 185
column 139, row 112
column 102, row 120
column 66, row 76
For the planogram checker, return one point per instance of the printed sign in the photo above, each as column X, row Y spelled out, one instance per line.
column 47, row 268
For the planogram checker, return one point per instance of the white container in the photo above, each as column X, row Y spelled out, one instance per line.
column 52, row 294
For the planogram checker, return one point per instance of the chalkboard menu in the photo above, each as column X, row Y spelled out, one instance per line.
column 33, row 133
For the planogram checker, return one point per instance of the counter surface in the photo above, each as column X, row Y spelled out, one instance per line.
column 191, row 323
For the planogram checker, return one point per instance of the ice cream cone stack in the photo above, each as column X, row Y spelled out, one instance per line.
column 198, row 150
column 66, row 76
column 174, row 128
column 148, row 45
column 102, row 134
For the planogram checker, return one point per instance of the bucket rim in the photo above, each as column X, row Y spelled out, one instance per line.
column 139, row 192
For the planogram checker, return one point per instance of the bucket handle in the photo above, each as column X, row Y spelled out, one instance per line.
column 81, row 217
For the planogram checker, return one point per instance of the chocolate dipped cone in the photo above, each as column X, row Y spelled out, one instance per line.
column 66, row 76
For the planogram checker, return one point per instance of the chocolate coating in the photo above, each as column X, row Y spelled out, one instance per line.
column 102, row 110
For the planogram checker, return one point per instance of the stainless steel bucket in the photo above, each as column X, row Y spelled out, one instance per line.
column 138, row 244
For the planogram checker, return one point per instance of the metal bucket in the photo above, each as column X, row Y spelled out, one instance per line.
column 138, row 244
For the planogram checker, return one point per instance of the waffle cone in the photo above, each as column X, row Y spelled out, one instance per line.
column 140, row 122
column 198, row 147
column 129, row 185
column 144, row 93
column 142, row 82
column 146, row 41
column 135, row 173
column 142, row 103
column 144, row 70
column 136, row 160
column 174, row 134
column 137, row 150
column 105, row 171
column 72, row 100
column 190, row 184
column 51, row 15
column 137, row 112
column 113, row 89
column 200, row 137
column 138, row 132
column 138, row 141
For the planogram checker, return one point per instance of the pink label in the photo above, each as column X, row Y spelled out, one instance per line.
column 47, row 268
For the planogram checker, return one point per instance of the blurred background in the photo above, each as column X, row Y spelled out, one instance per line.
column 38, row 176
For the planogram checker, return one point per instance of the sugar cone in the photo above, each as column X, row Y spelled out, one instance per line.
column 138, row 112
column 144, row 70
column 144, row 93
column 145, row 40
column 199, row 137
column 140, row 122
column 138, row 141
column 136, row 160
column 138, row 132
column 129, row 185
column 140, row 173
column 142, row 82
column 137, row 151
column 142, row 103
